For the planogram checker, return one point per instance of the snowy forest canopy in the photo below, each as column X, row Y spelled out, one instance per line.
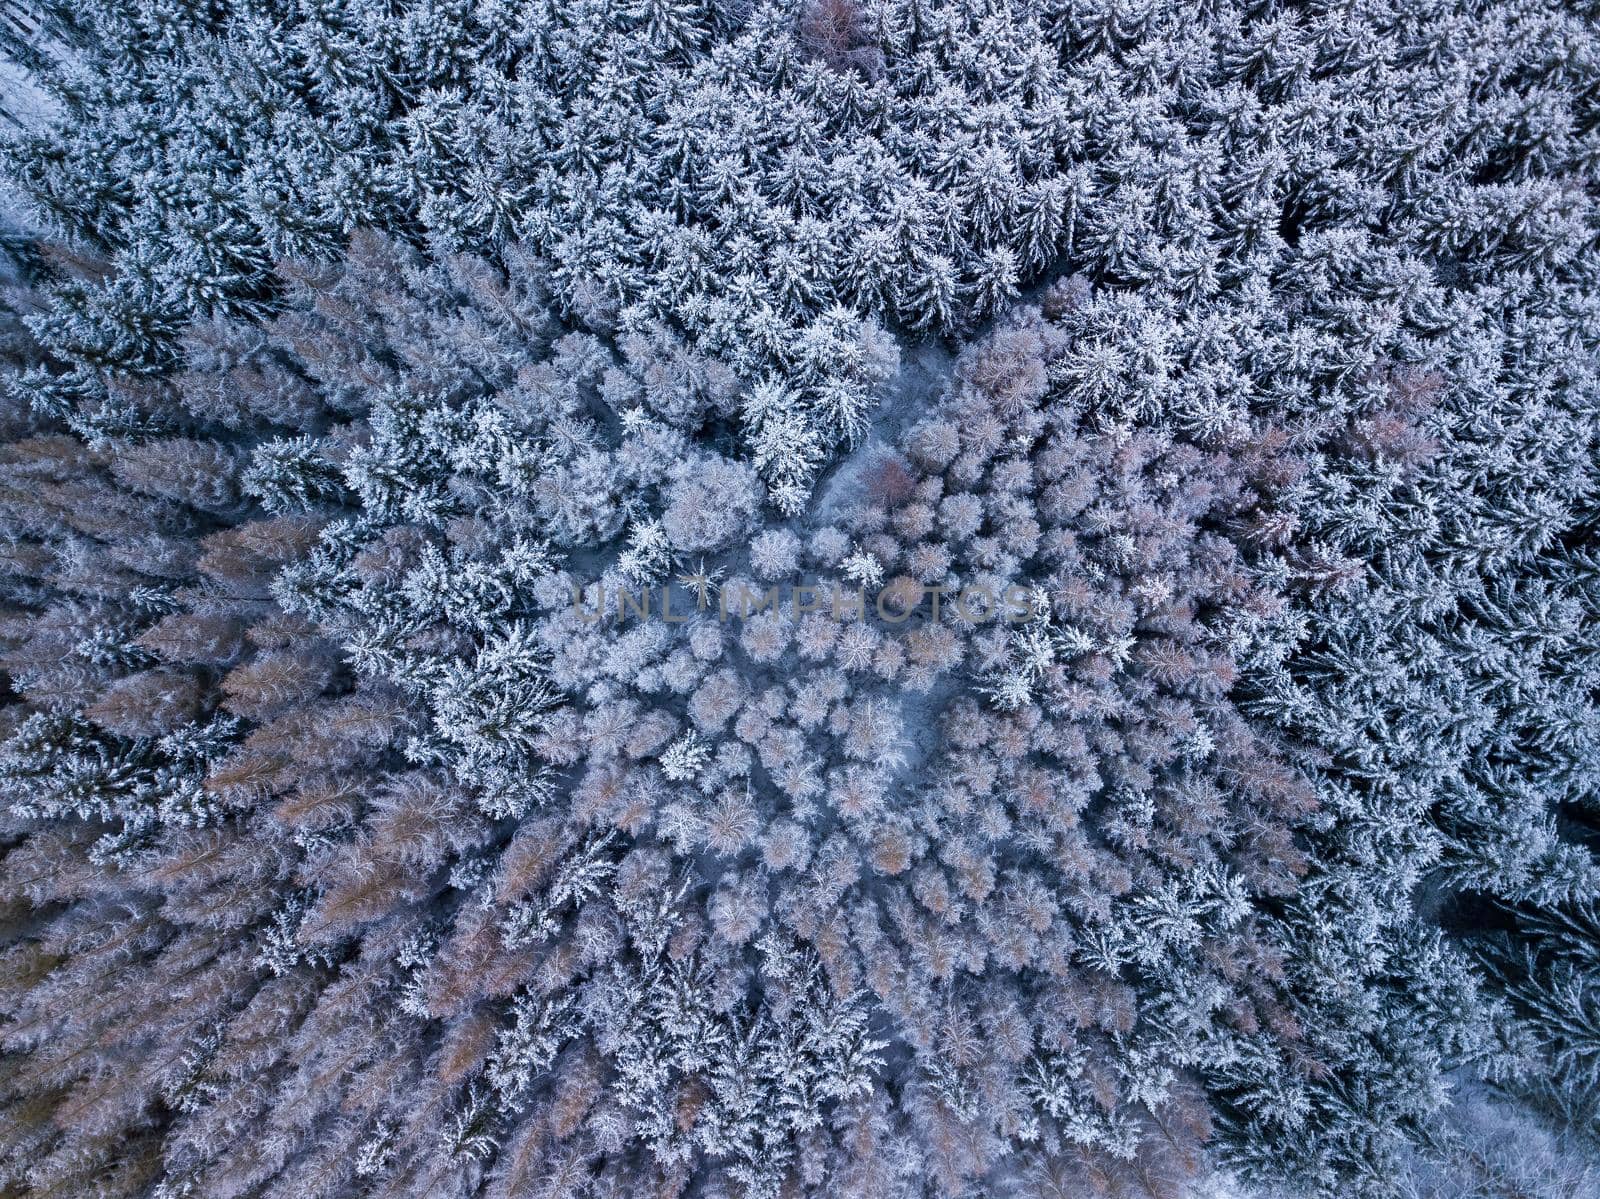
column 357, row 355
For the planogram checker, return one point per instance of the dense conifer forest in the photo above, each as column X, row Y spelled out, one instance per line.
column 763, row 599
